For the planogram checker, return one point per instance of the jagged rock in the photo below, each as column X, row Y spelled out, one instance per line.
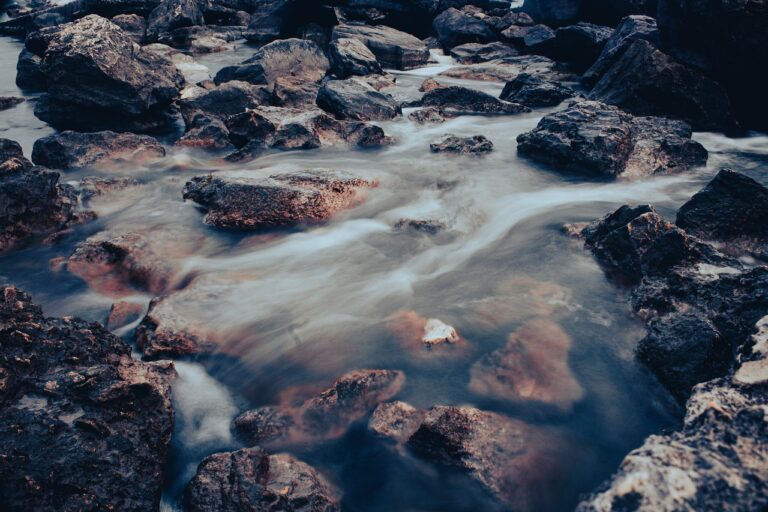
column 225, row 100
column 534, row 91
column 133, row 25
column 474, row 53
column 251, row 480
column 475, row 145
column 70, row 150
column 646, row 81
column 581, row 44
column 454, row 27
column 351, row 57
column 356, row 100
column 7, row 102
column 395, row 421
column 282, row 200
column 172, row 14
column 457, row 101
column 85, row 427
column 596, row 138
column 392, row 48
column 28, row 74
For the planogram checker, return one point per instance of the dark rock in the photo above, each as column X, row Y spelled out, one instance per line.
column 581, row 44
column 473, row 53
column 123, row 313
column 457, row 101
column 732, row 206
column 133, row 25
column 70, row 150
column 429, row 115
column 596, row 138
column 540, row 39
column 392, row 48
column 395, row 421
column 173, row 14
column 249, row 479
column 225, row 100
column 509, row 68
column 264, row 28
column 356, row 100
column 476, row 145
column 28, row 74
column 7, row 102
column 206, row 132
column 629, row 30
column 534, row 91
column 281, row 200
column 454, row 27
column 85, row 427
column 426, row 226
column 645, row 81
column 553, row 12
column 351, row 57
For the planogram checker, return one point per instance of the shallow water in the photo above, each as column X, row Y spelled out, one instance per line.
column 301, row 308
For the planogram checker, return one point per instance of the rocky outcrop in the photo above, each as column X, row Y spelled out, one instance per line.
column 355, row 100
column 596, row 138
column 282, row 200
column 251, row 480
column 85, row 427
column 535, row 91
column 458, row 101
column 454, row 27
column 392, row 48
column 476, row 145
column 69, row 150
column 646, row 81
column 351, row 57
column 98, row 78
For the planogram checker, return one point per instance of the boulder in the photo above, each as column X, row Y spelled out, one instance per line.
column 595, row 138
column 251, row 480
column 454, row 27
column 392, row 48
column 173, row 14
column 506, row 69
column 581, row 44
column 282, row 200
column 458, row 101
column 355, row 100
column 85, row 426
column 474, row 53
column 97, row 77
column 553, row 12
column 540, row 39
column 646, row 81
column 225, row 100
column 535, row 91
column 476, row 145
column 133, row 25
column 29, row 77
column 70, row 150
column 351, row 57
column 206, row 132
column 93, row 186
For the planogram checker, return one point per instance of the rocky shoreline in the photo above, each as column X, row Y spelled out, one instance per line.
column 85, row 424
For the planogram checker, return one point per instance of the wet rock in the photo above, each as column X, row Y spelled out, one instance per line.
column 282, row 200
column 581, row 44
column 508, row 68
column 356, row 100
column 458, row 101
column 426, row 226
column 133, row 25
column 430, row 84
column 534, row 91
column 289, row 92
column 646, row 81
column 93, row 186
column 28, row 74
column 629, row 30
column 351, row 57
column 124, row 313
column 732, row 206
column 206, row 132
column 540, row 39
column 473, row 53
column 429, row 115
column 395, row 421
column 85, row 427
column 7, row 102
column 70, row 150
column 98, row 78
column 475, row 145
column 250, row 479
column 172, row 14
column 300, row 59
column 325, row 416
column 426, row 339
column 226, row 99
column 596, row 138
column 533, row 365
column 454, row 27
column 392, row 48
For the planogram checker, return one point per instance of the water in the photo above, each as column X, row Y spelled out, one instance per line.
column 299, row 309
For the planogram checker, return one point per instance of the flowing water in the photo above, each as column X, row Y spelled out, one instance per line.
column 300, row 308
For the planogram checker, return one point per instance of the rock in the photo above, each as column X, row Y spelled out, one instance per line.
column 728, row 41
column 732, row 206
column 645, row 81
column 172, row 14
column 392, row 48
column 509, row 458
column 85, row 427
column 430, row 84
column 395, row 421
column 94, row 69
column 458, row 101
column 426, row 226
column 325, row 416
column 475, row 145
column 454, row 27
column 123, row 313
column 299, row 59
column 534, row 91
column 206, row 132
column 553, row 12
column 7, row 102
column 474, row 53
column 581, row 44
column 249, row 479
column 28, row 74
column 70, row 150
column 93, row 186
column 596, row 138
column 351, row 57
column 282, row 200
column 533, row 365
column 629, row 30
column 540, row 39
column 429, row 115
column 225, row 100
column 356, row 100
column 509, row 68
column 133, row 25
column 426, row 339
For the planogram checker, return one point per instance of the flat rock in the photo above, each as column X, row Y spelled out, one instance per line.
column 474, row 53
column 70, row 150
column 508, row 68
column 393, row 49
column 457, row 101
column 355, row 100
column 475, row 145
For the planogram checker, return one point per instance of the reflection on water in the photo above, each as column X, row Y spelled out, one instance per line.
column 301, row 308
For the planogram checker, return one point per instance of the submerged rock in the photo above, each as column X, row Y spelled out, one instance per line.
column 281, row 200
column 69, row 150
column 85, row 427
column 458, row 101
column 475, row 145
column 355, row 100
column 392, row 48
column 395, row 421
column 251, row 480
column 535, row 91
column 600, row 139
